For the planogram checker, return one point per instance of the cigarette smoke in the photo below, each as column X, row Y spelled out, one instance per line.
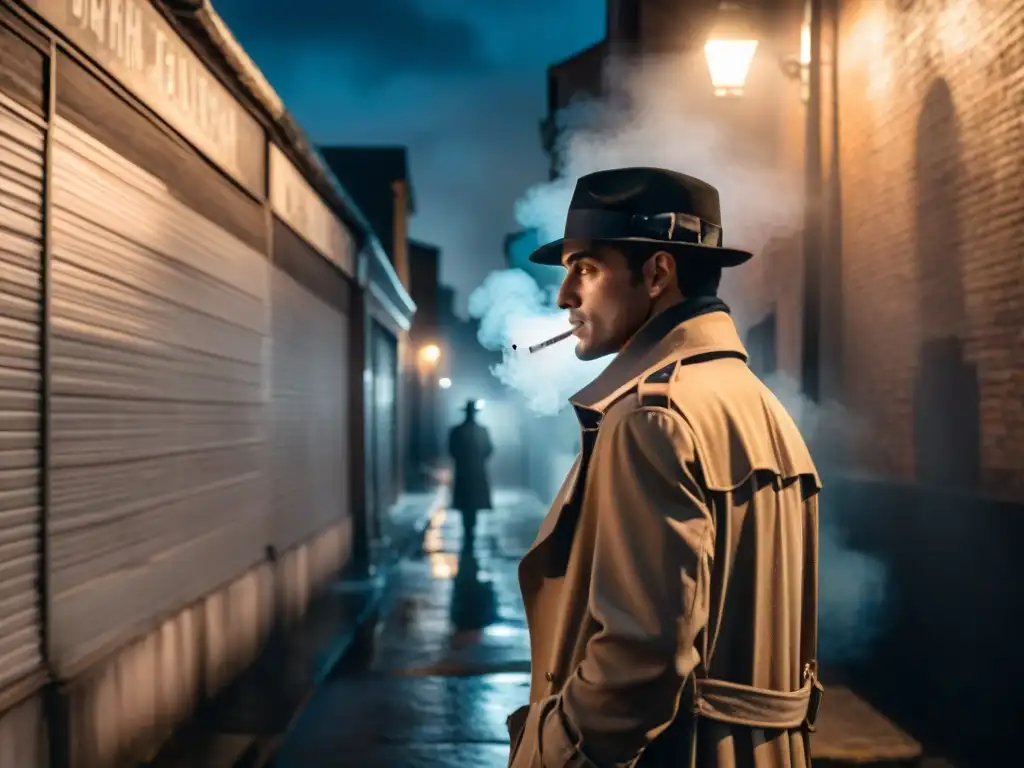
column 513, row 309
column 640, row 126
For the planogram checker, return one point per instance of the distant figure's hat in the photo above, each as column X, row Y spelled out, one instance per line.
column 470, row 406
column 676, row 212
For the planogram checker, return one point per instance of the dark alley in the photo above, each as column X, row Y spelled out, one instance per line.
column 575, row 383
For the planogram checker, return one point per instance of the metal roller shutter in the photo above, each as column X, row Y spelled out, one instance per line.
column 310, row 402
column 158, row 329
column 21, row 238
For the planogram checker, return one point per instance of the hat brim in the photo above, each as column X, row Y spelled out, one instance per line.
column 551, row 253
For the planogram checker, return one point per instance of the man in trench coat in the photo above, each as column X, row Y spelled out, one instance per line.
column 470, row 447
column 671, row 592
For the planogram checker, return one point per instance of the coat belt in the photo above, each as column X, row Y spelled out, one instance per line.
column 745, row 705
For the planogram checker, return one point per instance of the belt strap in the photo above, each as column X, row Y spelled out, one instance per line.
column 744, row 705
column 737, row 704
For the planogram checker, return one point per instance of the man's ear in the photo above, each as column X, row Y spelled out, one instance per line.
column 661, row 273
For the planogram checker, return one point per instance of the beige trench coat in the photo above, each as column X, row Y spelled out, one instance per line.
column 673, row 583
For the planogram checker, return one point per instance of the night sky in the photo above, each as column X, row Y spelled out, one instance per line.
column 460, row 82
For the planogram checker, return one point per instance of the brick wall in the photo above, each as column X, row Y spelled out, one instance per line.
column 932, row 157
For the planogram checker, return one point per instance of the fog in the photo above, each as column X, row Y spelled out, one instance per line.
column 852, row 588
column 638, row 126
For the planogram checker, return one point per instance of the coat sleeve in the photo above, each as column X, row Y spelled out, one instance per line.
column 648, row 598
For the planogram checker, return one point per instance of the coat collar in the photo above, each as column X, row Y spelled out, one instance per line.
column 686, row 330
column 682, row 332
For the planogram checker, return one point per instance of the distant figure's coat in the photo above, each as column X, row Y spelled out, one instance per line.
column 470, row 446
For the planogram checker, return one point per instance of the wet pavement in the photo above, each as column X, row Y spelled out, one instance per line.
column 242, row 726
column 448, row 662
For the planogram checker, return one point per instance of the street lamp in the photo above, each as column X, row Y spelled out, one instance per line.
column 730, row 50
column 444, row 382
column 424, row 417
column 430, row 354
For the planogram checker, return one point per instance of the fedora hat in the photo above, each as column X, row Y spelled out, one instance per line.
column 673, row 211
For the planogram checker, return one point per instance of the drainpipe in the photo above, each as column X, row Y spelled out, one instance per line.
column 813, row 202
column 831, row 380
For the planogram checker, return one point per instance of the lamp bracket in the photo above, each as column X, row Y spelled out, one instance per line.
column 793, row 68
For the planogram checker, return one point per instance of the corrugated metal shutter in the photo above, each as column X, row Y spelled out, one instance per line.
column 310, row 402
column 21, row 238
column 159, row 323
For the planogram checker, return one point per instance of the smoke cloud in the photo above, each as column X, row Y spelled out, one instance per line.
column 635, row 125
column 514, row 310
column 648, row 121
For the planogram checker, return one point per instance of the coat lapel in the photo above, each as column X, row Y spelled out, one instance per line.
column 688, row 330
column 547, row 526
column 659, row 337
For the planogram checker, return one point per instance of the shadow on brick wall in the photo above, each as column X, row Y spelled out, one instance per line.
column 947, row 439
column 946, row 663
column 947, row 428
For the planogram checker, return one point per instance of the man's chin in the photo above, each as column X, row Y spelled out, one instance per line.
column 587, row 352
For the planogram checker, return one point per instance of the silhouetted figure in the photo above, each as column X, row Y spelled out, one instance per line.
column 470, row 447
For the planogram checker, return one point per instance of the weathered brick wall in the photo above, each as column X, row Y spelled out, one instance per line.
column 932, row 153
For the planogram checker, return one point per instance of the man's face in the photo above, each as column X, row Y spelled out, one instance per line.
column 604, row 296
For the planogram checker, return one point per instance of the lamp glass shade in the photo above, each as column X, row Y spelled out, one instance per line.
column 729, row 61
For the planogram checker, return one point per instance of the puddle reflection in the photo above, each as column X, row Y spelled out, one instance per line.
column 433, row 540
column 474, row 601
column 444, row 565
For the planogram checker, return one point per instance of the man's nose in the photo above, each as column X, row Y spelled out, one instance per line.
column 567, row 298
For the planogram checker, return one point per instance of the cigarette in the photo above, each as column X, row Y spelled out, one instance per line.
column 553, row 340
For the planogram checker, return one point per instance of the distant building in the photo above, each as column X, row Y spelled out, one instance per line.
column 519, row 246
column 378, row 179
column 579, row 77
column 446, row 315
column 424, row 287
column 423, row 388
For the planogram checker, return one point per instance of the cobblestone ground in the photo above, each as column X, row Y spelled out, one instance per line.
column 449, row 661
